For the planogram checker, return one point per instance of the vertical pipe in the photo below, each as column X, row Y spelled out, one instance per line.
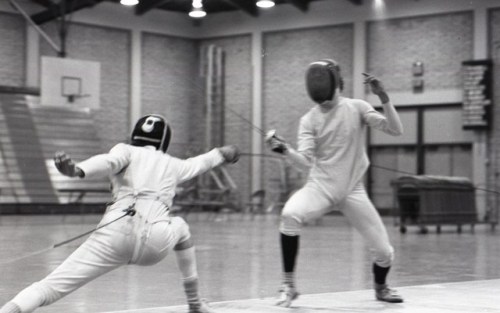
column 221, row 93
column 63, row 29
column 420, row 142
column 208, row 97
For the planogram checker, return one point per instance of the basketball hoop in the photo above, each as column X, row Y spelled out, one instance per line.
column 72, row 97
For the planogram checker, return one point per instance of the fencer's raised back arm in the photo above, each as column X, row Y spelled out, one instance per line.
column 195, row 166
column 66, row 166
column 103, row 165
column 393, row 124
column 388, row 122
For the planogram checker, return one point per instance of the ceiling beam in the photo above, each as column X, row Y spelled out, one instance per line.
column 44, row 3
column 302, row 5
column 56, row 11
column 356, row 2
column 146, row 5
column 246, row 5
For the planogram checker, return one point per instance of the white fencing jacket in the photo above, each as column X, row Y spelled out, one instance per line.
column 332, row 143
column 139, row 170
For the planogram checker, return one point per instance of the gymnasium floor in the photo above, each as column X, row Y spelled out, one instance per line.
column 239, row 267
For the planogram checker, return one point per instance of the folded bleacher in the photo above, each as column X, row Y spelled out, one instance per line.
column 30, row 134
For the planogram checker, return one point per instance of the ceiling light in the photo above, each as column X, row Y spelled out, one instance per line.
column 197, row 13
column 197, row 4
column 129, row 2
column 379, row 7
column 265, row 4
column 197, row 10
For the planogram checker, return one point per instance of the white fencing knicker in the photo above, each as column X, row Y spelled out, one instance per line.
column 142, row 239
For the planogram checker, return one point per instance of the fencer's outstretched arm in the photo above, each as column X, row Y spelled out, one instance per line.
column 195, row 166
column 303, row 156
column 299, row 160
column 389, row 122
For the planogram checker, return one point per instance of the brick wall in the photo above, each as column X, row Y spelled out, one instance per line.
column 286, row 57
column 110, row 47
column 494, row 140
column 12, row 50
column 170, row 86
column 442, row 42
column 238, row 99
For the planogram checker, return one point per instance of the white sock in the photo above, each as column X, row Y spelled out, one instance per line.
column 10, row 307
column 29, row 299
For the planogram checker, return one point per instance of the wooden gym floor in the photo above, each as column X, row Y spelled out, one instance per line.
column 240, row 267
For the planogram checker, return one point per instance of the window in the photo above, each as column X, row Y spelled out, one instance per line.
column 434, row 143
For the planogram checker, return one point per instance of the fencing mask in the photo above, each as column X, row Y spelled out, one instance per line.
column 152, row 130
column 322, row 80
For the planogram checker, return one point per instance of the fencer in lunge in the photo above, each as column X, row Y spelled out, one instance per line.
column 331, row 146
column 143, row 178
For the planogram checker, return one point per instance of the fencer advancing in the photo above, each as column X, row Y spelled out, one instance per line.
column 143, row 178
column 331, row 145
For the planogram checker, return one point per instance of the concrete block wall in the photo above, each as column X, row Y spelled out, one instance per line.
column 392, row 46
column 173, row 85
column 440, row 41
column 111, row 48
column 494, row 141
column 12, row 50
column 286, row 57
column 238, row 101
column 169, row 85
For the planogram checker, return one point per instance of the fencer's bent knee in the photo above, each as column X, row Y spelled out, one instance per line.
column 183, row 245
column 290, row 224
column 182, row 228
column 384, row 258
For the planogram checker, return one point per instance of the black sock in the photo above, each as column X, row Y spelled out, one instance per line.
column 289, row 250
column 380, row 273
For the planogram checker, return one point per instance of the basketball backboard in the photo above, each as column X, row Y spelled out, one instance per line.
column 70, row 82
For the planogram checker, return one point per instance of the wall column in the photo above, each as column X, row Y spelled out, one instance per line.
column 135, row 78
column 359, row 62
column 32, row 68
column 256, row 166
column 480, row 146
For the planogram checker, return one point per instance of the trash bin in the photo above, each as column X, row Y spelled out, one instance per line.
column 435, row 200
